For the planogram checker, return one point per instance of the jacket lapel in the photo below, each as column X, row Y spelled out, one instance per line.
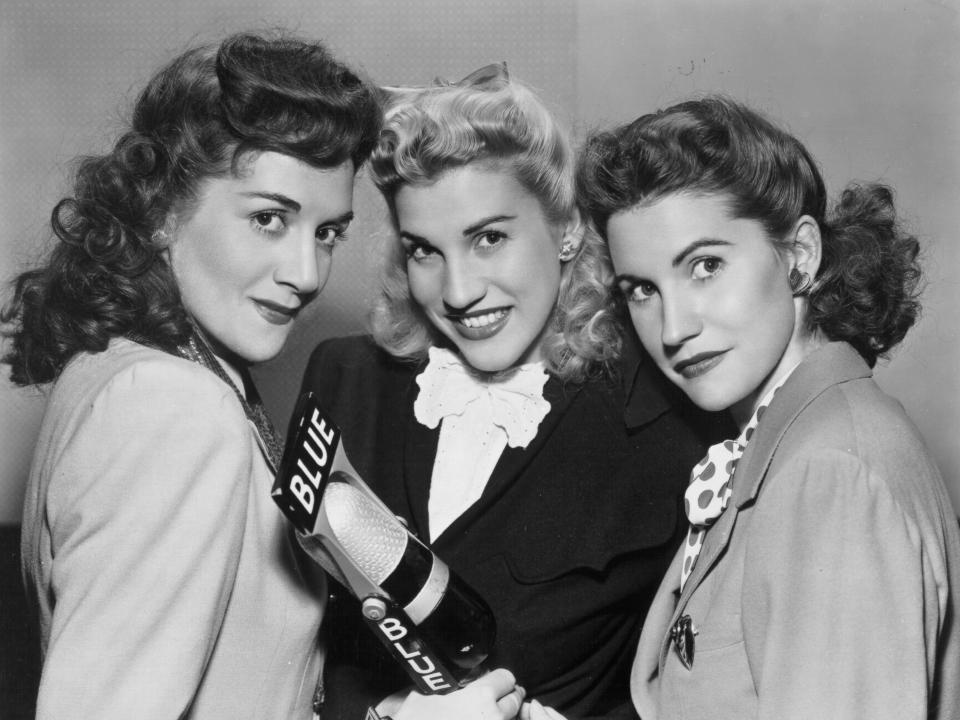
column 832, row 364
column 419, row 453
column 261, row 443
column 513, row 461
column 647, row 394
column 661, row 614
column 715, row 542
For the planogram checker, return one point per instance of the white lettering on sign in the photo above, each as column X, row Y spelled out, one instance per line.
column 423, row 665
column 317, row 444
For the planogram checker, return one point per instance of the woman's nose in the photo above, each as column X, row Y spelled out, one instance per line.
column 303, row 265
column 463, row 284
column 680, row 320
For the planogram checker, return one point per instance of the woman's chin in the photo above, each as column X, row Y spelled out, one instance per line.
column 489, row 366
column 710, row 400
column 252, row 353
column 493, row 361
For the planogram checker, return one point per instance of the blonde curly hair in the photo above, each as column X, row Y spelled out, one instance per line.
column 503, row 125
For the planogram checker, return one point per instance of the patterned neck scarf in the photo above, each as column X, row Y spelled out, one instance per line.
column 711, row 484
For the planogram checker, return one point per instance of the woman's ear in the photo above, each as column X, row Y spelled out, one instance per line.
column 162, row 237
column 806, row 247
column 572, row 238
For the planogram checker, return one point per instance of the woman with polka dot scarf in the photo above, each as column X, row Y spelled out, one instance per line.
column 820, row 574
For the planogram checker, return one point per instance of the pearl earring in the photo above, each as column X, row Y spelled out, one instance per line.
column 568, row 249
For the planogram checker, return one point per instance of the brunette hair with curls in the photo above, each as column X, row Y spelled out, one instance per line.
column 197, row 118
column 867, row 287
column 502, row 125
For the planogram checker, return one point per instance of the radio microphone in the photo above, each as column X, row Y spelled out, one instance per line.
column 430, row 620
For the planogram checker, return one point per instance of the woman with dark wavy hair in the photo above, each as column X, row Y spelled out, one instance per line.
column 495, row 411
column 821, row 571
column 164, row 578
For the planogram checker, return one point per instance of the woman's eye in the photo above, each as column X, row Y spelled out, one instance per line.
column 418, row 252
column 707, row 267
column 638, row 292
column 490, row 239
column 330, row 236
column 268, row 222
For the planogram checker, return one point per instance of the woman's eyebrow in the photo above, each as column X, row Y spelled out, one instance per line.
column 696, row 245
column 413, row 237
column 275, row 197
column 479, row 225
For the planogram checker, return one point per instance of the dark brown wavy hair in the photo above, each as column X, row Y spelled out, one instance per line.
column 198, row 117
column 867, row 288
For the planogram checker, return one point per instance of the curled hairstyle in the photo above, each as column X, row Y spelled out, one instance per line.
column 198, row 117
column 866, row 289
column 501, row 125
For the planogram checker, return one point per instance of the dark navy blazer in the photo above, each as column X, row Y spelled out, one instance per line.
column 567, row 544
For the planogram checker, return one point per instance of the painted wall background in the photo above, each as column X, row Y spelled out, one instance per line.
column 872, row 89
column 874, row 92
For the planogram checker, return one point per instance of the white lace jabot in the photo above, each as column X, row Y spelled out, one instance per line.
column 479, row 418
column 515, row 404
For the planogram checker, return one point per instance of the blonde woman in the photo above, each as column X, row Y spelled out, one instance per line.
column 493, row 411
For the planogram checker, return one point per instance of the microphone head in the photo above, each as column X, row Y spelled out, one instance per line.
column 430, row 622
column 374, row 539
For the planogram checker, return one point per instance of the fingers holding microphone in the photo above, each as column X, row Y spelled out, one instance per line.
column 509, row 696
column 494, row 696
column 534, row 710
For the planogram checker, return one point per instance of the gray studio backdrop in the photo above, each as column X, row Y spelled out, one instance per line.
column 872, row 88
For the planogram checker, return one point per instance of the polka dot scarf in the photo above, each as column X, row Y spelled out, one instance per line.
column 711, row 484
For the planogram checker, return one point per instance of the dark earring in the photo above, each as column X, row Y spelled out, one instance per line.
column 800, row 282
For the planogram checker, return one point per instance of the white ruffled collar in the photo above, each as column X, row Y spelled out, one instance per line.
column 515, row 403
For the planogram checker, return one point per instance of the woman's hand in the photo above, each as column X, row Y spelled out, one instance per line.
column 494, row 696
column 533, row 710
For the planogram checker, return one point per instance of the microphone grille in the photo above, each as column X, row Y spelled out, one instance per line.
column 372, row 538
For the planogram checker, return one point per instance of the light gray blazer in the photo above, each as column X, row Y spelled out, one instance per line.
column 165, row 579
column 830, row 587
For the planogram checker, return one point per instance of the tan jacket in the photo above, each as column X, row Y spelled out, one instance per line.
column 830, row 587
column 165, row 580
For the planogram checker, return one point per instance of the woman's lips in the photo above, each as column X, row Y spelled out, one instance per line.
column 699, row 364
column 480, row 325
column 274, row 312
